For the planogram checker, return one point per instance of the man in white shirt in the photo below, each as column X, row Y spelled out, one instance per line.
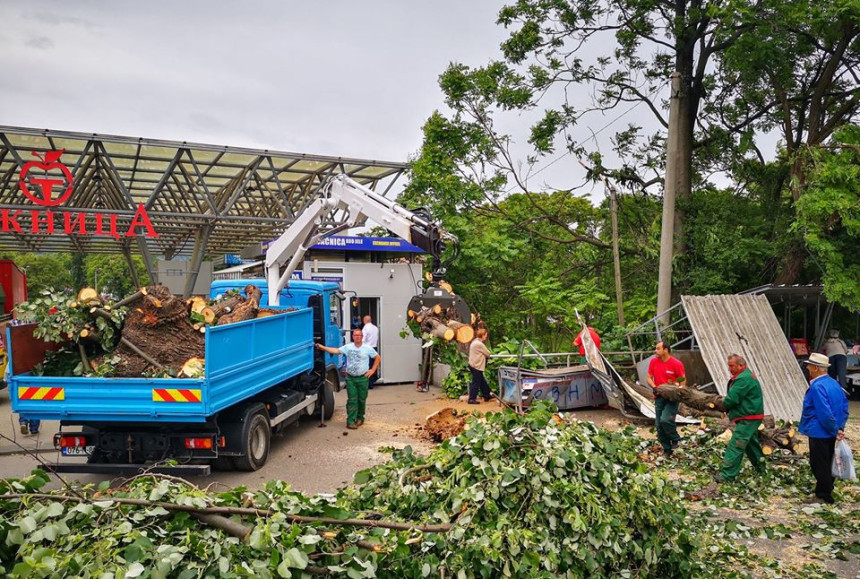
column 370, row 336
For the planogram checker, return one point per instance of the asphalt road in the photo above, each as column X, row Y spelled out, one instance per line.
column 310, row 458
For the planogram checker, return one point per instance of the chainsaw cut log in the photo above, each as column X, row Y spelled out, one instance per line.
column 227, row 305
column 89, row 296
column 208, row 315
column 247, row 310
column 691, row 397
column 685, row 410
column 196, row 304
column 192, row 368
column 423, row 314
column 440, row 330
column 132, row 298
column 464, row 333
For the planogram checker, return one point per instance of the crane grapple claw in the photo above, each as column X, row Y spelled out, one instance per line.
column 454, row 307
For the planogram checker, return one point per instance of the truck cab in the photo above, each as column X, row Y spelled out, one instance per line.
column 325, row 298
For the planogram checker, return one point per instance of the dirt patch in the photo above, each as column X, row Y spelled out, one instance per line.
column 444, row 424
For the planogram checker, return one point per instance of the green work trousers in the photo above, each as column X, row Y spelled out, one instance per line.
column 744, row 441
column 667, row 429
column 356, row 397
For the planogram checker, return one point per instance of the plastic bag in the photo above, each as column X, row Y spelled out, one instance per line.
column 843, row 462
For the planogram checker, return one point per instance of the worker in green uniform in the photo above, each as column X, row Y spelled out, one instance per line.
column 745, row 407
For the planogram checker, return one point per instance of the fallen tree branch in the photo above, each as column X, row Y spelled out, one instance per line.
column 125, row 342
column 440, row 528
column 133, row 297
column 409, row 471
column 46, row 467
column 84, row 360
column 229, row 526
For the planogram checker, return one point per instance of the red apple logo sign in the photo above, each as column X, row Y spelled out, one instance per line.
column 48, row 164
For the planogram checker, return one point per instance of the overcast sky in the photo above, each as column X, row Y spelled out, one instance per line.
column 347, row 78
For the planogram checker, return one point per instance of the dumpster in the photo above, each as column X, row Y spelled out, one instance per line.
column 567, row 387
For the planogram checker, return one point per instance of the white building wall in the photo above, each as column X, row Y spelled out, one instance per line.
column 174, row 273
column 394, row 284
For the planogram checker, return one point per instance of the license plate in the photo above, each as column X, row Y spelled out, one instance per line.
column 78, row 450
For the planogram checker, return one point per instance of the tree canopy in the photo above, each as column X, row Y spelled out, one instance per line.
column 765, row 86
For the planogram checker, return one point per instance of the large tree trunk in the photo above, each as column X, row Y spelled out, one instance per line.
column 692, row 397
column 792, row 264
column 157, row 324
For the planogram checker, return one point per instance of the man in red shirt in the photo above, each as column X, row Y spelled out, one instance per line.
column 665, row 369
column 578, row 342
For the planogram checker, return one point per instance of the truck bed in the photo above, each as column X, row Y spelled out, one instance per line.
column 242, row 359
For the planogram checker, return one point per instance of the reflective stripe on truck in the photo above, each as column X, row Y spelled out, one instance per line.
column 175, row 395
column 41, row 393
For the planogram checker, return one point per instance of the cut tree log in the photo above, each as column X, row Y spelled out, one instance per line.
column 192, row 368
column 132, row 298
column 208, row 314
column 244, row 311
column 685, row 410
column 89, row 333
column 464, row 332
column 692, row 397
column 771, row 438
column 196, row 304
column 227, row 305
column 422, row 314
column 440, row 330
column 254, row 294
column 89, row 296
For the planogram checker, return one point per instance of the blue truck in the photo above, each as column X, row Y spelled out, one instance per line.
column 260, row 376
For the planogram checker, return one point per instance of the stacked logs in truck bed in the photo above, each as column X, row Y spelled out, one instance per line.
column 162, row 333
column 698, row 404
column 443, row 324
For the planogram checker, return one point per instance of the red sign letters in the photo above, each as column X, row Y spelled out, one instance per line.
column 40, row 190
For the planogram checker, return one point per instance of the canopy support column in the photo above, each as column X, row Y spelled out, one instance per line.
column 147, row 260
column 201, row 240
column 132, row 270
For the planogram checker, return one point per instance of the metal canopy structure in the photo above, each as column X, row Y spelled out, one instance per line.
column 201, row 199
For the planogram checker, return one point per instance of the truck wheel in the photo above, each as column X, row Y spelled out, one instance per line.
column 333, row 380
column 326, row 403
column 256, row 439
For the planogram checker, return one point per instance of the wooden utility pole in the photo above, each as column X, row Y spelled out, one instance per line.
column 616, row 256
column 674, row 166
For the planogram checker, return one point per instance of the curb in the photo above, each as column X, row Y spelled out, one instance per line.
column 10, row 450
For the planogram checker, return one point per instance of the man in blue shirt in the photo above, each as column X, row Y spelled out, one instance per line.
column 825, row 412
column 358, row 372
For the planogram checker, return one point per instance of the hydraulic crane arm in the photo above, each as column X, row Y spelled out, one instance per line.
column 359, row 203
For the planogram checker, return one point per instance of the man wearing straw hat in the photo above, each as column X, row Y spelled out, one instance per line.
column 825, row 412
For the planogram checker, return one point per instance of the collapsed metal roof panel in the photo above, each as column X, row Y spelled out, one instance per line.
column 746, row 325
